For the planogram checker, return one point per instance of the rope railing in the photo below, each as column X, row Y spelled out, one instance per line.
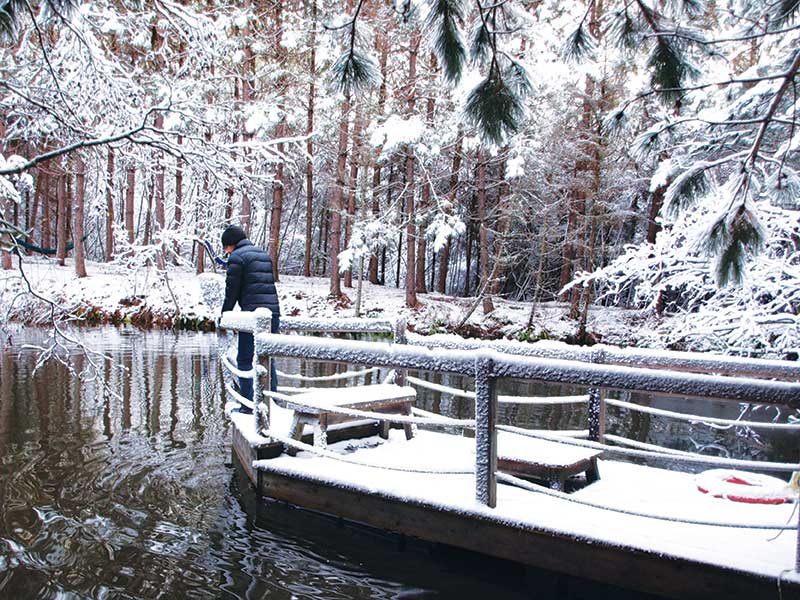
column 333, row 377
column 675, row 456
column 510, row 479
column 701, row 419
column 291, row 402
column 545, row 400
column 567, row 437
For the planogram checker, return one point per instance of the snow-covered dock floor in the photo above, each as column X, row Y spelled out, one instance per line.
column 397, row 475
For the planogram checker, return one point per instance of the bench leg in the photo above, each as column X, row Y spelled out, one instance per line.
column 321, row 432
column 592, row 474
column 384, row 429
column 409, row 428
column 295, row 432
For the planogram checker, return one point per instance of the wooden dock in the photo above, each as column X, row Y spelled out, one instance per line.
column 355, row 494
column 637, row 527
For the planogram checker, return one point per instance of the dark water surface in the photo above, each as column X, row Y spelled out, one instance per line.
column 131, row 494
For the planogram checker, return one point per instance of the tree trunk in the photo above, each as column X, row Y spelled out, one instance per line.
column 41, row 180
column 312, row 90
column 656, row 201
column 178, row 197
column 500, row 245
column 78, row 216
column 411, row 228
column 336, row 204
column 483, row 233
column 382, row 46
column 159, row 182
column 46, row 233
column 422, row 242
column 355, row 154
column 444, row 254
column 469, row 244
column 5, row 257
column 61, row 223
column 280, row 132
column 110, row 205
column 246, row 215
column 130, row 192
column 148, row 215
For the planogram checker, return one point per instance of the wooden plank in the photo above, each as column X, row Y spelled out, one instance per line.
column 629, row 568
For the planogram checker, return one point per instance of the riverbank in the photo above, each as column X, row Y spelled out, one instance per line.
column 147, row 298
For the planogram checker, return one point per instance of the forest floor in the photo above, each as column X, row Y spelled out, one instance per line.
column 146, row 298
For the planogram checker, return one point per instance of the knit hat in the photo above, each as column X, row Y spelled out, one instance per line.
column 232, row 235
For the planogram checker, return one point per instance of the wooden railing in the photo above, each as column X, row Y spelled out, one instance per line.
column 599, row 369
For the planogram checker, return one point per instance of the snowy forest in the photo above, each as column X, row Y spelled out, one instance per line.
column 633, row 154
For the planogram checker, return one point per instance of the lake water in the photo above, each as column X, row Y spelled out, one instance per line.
column 119, row 484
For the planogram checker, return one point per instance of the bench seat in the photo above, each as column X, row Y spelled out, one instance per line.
column 311, row 408
column 551, row 461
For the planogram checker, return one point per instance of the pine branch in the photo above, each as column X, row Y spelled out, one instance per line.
column 494, row 108
column 353, row 70
column 446, row 19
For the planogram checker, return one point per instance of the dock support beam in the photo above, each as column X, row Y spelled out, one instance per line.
column 485, row 431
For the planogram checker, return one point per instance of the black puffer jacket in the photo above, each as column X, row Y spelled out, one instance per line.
column 249, row 280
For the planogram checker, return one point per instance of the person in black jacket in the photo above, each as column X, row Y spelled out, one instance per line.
column 249, row 282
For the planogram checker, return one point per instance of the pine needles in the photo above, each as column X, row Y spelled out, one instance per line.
column 494, row 108
column 354, row 71
column 446, row 19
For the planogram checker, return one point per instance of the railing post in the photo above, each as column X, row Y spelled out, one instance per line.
column 485, row 431
column 597, row 405
column 399, row 335
column 797, row 552
column 263, row 324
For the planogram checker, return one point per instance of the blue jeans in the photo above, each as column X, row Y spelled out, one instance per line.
column 244, row 359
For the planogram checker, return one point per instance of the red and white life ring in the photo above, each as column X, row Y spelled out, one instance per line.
column 741, row 486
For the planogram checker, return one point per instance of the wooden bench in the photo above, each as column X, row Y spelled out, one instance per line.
column 381, row 398
column 551, row 461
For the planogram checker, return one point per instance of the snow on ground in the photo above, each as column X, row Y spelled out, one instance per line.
column 146, row 297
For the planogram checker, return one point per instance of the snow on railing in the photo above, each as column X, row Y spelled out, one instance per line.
column 691, row 362
column 690, row 385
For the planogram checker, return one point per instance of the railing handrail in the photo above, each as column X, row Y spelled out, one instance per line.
column 691, row 362
column 690, row 385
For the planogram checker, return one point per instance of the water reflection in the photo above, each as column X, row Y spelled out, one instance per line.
column 121, row 491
